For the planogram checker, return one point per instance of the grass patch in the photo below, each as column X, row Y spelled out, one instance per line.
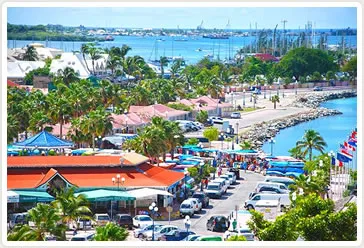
column 249, row 109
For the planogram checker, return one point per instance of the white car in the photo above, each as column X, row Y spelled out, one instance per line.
column 241, row 231
column 228, row 180
column 141, row 221
column 198, row 124
column 83, row 237
column 100, row 220
column 138, row 232
column 159, row 232
column 235, row 115
column 196, row 203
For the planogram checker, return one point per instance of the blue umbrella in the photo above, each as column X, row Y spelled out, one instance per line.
column 274, row 173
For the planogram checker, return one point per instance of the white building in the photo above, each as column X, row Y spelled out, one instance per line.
column 18, row 69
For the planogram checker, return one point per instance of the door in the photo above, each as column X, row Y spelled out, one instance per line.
column 160, row 200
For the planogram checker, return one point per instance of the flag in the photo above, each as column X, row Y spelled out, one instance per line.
column 350, row 145
column 353, row 134
column 342, row 147
column 343, row 157
column 332, row 160
column 340, row 164
column 345, row 152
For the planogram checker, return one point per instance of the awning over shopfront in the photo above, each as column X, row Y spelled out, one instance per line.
column 28, row 196
column 147, row 192
column 106, row 195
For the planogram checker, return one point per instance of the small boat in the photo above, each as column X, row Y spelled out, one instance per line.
column 161, row 40
column 199, row 50
column 181, row 40
column 109, row 38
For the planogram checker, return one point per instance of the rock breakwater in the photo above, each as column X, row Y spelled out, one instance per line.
column 263, row 131
column 311, row 100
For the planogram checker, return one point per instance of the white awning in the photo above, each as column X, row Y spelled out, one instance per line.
column 146, row 192
column 12, row 196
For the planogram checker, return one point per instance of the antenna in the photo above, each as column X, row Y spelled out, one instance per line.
column 284, row 33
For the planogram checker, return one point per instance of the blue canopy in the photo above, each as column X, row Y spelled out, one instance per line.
column 183, row 157
column 275, row 173
column 44, row 140
column 277, row 169
column 287, row 164
column 295, row 174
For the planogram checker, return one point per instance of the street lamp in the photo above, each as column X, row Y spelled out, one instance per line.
column 154, row 209
column 97, row 140
column 187, row 222
column 270, row 92
column 296, row 84
column 251, row 97
column 243, row 97
column 271, row 142
column 278, row 89
column 119, row 181
column 237, row 132
column 185, row 189
column 126, row 121
column 331, row 155
column 221, row 136
column 265, row 97
column 255, row 100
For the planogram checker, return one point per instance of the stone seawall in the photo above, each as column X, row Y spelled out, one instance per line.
column 262, row 132
column 314, row 100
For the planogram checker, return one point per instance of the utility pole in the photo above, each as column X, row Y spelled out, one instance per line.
column 284, row 33
column 256, row 34
column 274, row 41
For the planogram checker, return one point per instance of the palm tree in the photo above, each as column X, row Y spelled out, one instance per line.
column 246, row 145
column 71, row 207
column 110, row 232
column 274, row 100
column 124, row 51
column 163, row 62
column 67, row 76
column 295, row 152
column 311, row 140
column 113, row 63
column 176, row 67
column 85, row 50
column 46, row 221
column 95, row 54
column 96, row 123
column 31, row 54
column 37, row 121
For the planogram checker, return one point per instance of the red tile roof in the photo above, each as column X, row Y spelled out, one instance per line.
column 95, row 177
column 265, row 57
column 12, row 84
column 62, row 161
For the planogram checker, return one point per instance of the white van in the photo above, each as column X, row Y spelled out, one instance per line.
column 214, row 190
column 224, row 183
column 269, row 209
column 285, row 180
column 280, row 186
column 283, row 200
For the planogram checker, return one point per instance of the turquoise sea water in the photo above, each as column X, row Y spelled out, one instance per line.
column 334, row 129
column 192, row 50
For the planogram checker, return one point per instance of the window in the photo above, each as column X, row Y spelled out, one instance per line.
column 282, row 187
column 257, row 198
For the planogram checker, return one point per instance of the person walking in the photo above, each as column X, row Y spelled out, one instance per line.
column 219, row 170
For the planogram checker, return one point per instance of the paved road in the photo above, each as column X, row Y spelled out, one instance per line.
column 224, row 206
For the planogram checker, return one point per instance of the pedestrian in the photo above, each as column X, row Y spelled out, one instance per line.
column 219, row 170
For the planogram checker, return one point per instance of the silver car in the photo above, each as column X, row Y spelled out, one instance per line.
column 139, row 232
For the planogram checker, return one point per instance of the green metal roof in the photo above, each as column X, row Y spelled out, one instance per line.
column 34, row 196
column 106, row 195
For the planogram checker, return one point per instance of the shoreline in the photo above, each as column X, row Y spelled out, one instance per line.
column 257, row 134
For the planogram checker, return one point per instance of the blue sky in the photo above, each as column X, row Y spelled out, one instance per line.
column 240, row 17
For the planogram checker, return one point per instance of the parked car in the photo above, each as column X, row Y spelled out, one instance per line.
column 198, row 124
column 224, row 183
column 141, row 221
column 285, row 180
column 271, row 189
column 217, row 223
column 235, row 115
column 203, row 198
column 283, row 199
column 231, row 176
column 176, row 235
column 100, row 220
column 124, row 220
column 228, row 179
column 214, row 190
column 198, row 127
column 192, row 237
column 317, row 88
column 138, row 232
column 18, row 218
column 197, row 204
column 252, row 194
column 240, row 231
column 84, row 224
column 186, row 208
column 159, row 232
column 83, row 237
column 209, row 238
column 280, row 186
column 217, row 120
